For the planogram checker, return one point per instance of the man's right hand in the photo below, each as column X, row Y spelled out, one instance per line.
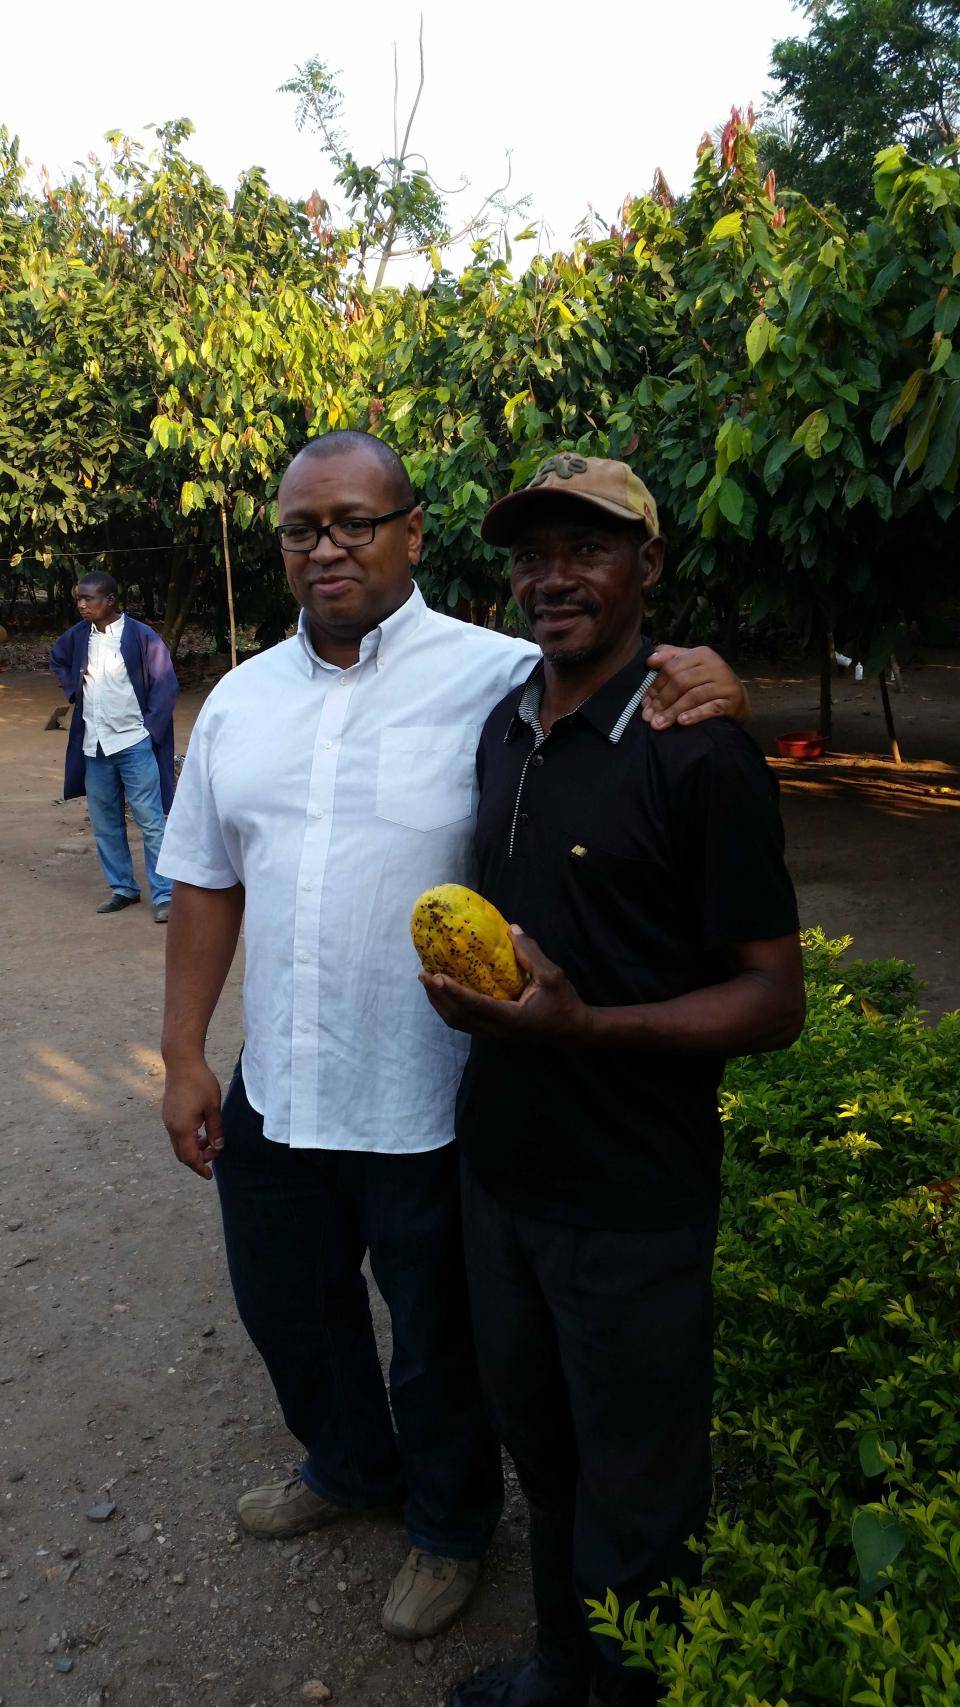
column 191, row 1115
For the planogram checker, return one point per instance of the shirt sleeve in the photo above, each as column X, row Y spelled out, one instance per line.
column 194, row 850
column 732, row 847
column 61, row 660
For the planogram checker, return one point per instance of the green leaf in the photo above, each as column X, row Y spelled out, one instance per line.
column 943, row 442
column 878, row 1539
column 730, row 500
column 243, row 510
column 777, row 455
column 190, row 498
column 920, row 317
column 758, row 338
column 886, row 277
column 871, row 1463
column 730, row 225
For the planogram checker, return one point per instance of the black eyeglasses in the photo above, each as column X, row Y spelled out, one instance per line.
column 352, row 530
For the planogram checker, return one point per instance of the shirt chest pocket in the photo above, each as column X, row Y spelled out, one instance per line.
column 425, row 774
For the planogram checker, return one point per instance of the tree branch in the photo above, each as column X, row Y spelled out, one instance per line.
column 391, row 229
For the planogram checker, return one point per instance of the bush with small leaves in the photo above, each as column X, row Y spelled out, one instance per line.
column 831, row 1567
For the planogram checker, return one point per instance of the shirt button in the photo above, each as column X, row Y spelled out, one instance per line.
column 303, row 956
column 537, row 759
column 343, row 681
column 308, row 885
column 327, row 745
column 523, row 818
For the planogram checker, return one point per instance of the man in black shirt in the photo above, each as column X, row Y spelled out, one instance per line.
column 659, row 932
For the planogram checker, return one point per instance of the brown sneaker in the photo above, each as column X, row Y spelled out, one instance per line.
column 285, row 1508
column 428, row 1593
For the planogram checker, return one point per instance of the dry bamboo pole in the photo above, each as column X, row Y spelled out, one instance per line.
column 229, row 574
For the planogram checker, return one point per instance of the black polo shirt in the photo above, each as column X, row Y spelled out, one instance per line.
column 635, row 858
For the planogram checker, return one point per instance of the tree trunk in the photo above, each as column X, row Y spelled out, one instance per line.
column 888, row 715
column 63, row 610
column 173, row 630
column 181, row 587
column 826, row 688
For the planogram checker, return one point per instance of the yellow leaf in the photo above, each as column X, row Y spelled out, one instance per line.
column 872, row 1014
column 908, row 396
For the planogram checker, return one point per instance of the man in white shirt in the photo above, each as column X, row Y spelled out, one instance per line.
column 328, row 782
column 120, row 678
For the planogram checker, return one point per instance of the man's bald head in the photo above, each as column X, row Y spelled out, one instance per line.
column 348, row 443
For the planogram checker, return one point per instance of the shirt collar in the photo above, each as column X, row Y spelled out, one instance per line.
column 381, row 643
column 115, row 627
column 609, row 710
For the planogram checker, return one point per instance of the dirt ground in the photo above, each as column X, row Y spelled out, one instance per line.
column 125, row 1379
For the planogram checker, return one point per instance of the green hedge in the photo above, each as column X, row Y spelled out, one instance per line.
column 831, row 1571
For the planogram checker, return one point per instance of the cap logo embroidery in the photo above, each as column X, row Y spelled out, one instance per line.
column 565, row 466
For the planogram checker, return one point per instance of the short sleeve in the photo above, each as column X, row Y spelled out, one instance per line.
column 193, row 849
column 731, row 845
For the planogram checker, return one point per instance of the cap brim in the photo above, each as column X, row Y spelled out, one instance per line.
column 508, row 515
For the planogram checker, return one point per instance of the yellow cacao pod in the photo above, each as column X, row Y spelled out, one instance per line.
column 457, row 932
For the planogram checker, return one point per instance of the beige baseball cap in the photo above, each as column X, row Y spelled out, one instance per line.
column 598, row 480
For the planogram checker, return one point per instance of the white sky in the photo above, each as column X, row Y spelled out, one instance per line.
column 589, row 97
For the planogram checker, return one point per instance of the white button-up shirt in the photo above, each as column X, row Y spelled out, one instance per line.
column 111, row 710
column 336, row 797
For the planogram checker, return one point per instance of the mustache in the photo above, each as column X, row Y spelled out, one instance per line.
column 587, row 606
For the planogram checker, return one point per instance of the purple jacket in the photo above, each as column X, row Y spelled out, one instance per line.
column 150, row 668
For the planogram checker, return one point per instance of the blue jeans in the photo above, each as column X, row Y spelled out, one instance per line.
column 110, row 778
column 298, row 1224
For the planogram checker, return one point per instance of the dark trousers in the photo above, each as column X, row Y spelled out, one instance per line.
column 298, row 1224
column 595, row 1352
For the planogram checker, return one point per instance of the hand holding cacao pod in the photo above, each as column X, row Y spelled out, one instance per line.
column 456, row 932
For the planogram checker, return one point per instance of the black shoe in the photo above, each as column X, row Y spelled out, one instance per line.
column 622, row 1688
column 117, row 903
column 523, row 1684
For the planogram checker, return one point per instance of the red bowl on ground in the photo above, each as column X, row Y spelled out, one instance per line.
column 801, row 744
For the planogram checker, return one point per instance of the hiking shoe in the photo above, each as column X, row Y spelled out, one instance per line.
column 518, row 1685
column 428, row 1593
column 285, row 1508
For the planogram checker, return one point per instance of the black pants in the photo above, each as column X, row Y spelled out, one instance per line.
column 595, row 1353
column 298, row 1224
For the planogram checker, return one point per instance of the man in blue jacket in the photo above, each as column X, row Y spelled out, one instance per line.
column 120, row 680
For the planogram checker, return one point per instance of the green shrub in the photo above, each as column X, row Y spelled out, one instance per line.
column 831, row 1569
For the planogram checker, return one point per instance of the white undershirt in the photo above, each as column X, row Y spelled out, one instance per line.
column 111, row 710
